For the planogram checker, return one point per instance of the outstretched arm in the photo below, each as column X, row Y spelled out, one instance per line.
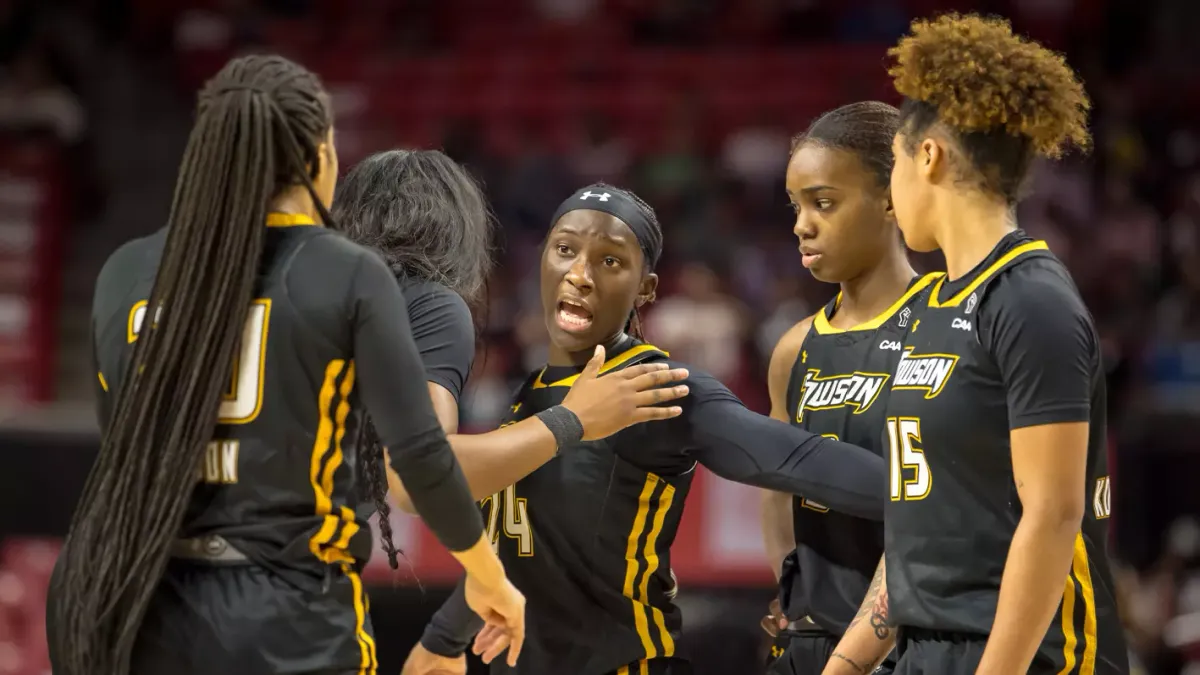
column 870, row 636
column 745, row 447
column 602, row 405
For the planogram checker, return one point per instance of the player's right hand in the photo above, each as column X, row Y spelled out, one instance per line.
column 774, row 621
column 421, row 661
column 608, row 404
column 502, row 607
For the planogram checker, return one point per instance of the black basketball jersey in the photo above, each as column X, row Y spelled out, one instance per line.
column 838, row 388
column 278, row 478
column 962, row 383
column 587, row 538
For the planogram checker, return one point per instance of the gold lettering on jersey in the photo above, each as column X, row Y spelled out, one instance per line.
column 1102, row 498
column 220, row 463
column 925, row 372
column 243, row 398
column 856, row 390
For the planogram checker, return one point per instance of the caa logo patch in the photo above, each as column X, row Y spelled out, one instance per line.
column 961, row 324
column 890, row 345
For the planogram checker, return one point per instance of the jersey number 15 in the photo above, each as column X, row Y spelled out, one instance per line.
column 909, row 471
column 242, row 400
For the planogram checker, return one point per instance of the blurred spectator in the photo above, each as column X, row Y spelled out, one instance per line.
column 703, row 325
column 32, row 101
column 565, row 11
column 537, row 182
column 599, row 154
column 757, row 154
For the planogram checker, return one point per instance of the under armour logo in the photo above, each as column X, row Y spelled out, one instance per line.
column 602, row 196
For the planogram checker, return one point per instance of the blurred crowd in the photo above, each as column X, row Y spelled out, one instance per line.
column 1126, row 219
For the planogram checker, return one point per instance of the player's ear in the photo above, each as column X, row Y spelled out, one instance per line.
column 647, row 292
column 931, row 159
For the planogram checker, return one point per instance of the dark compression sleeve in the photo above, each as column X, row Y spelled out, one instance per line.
column 745, row 447
column 452, row 628
column 392, row 383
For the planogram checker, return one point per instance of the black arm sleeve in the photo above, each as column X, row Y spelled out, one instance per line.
column 444, row 333
column 394, row 391
column 1037, row 328
column 745, row 447
column 451, row 629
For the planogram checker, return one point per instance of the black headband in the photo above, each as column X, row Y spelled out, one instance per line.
column 615, row 203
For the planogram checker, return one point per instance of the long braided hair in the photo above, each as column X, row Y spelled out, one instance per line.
column 258, row 129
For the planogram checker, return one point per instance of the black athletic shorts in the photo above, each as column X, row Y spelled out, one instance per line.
column 671, row 666
column 241, row 619
column 925, row 652
column 807, row 652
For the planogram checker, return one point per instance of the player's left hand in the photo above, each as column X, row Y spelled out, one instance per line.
column 421, row 661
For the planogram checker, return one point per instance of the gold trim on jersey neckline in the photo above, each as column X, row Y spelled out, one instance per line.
column 615, row 361
column 823, row 327
column 289, row 219
column 986, row 274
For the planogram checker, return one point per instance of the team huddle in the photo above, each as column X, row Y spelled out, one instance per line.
column 927, row 470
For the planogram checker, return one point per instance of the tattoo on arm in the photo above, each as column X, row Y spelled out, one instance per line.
column 875, row 607
column 857, row 666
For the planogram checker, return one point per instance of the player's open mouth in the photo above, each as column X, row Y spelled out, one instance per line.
column 573, row 317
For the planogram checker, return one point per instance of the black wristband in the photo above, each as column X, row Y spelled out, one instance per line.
column 453, row 626
column 564, row 424
column 437, row 642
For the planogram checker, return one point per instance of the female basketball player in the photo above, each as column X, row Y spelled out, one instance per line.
column 829, row 373
column 232, row 368
column 430, row 220
column 995, row 558
column 588, row 534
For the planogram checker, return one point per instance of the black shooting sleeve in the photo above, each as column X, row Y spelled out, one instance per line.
column 452, row 628
column 745, row 447
column 392, row 382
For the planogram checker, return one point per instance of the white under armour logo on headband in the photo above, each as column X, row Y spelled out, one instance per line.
column 603, row 196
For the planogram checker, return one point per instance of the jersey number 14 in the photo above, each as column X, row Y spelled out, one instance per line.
column 910, row 477
column 242, row 400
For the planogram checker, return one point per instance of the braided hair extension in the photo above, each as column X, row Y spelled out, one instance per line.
column 259, row 125
column 373, row 485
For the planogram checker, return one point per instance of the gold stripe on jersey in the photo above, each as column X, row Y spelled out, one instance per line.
column 329, row 434
column 103, row 383
column 289, row 219
column 618, row 360
column 1081, row 573
column 635, row 591
column 665, row 498
column 823, row 327
column 985, row 274
column 366, row 643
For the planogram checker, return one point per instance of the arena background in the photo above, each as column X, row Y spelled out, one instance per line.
column 691, row 103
